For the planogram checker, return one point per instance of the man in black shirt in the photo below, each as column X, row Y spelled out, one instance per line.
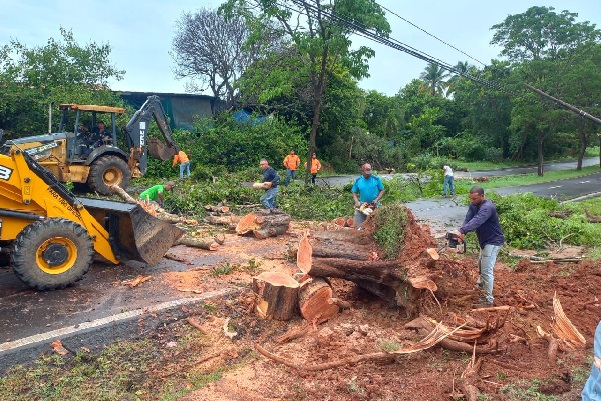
column 270, row 180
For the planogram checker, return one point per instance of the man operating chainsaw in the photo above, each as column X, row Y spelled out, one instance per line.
column 370, row 189
column 483, row 218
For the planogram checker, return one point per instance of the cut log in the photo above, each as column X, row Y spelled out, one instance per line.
column 350, row 222
column 116, row 189
column 220, row 208
column 316, row 301
column 202, row 243
column 304, row 255
column 219, row 238
column 339, row 221
column 277, row 295
column 343, row 244
column 264, row 223
column 222, row 220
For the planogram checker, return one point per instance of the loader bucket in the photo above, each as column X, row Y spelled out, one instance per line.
column 135, row 234
column 159, row 150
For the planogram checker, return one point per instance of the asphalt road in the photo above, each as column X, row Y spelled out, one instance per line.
column 98, row 309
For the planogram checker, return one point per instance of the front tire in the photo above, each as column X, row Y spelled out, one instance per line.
column 52, row 254
column 107, row 171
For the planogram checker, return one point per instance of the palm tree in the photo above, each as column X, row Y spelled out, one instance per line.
column 433, row 79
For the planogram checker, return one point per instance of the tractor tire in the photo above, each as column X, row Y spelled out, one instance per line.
column 52, row 254
column 107, row 171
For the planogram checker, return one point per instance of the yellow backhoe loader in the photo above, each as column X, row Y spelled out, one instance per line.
column 52, row 235
column 80, row 154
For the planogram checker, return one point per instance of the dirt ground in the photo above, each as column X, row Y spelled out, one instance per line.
column 518, row 360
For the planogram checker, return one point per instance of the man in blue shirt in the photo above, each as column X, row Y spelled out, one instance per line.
column 370, row 190
column 483, row 218
column 270, row 179
column 592, row 387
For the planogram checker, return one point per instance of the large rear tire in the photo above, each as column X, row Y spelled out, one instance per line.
column 52, row 254
column 107, row 171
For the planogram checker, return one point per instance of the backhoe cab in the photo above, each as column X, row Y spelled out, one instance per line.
column 79, row 153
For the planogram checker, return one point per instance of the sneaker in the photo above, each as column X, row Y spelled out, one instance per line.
column 482, row 303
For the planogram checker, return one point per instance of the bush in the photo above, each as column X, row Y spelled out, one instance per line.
column 526, row 223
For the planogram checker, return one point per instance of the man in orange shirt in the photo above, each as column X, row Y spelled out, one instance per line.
column 182, row 157
column 291, row 162
column 315, row 167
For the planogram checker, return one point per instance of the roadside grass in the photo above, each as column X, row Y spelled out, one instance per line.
column 148, row 369
column 487, row 165
column 529, row 179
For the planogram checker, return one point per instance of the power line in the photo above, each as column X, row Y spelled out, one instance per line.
column 428, row 33
column 395, row 44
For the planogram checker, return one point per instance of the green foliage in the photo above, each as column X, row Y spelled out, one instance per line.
column 224, row 269
column 388, row 345
column 389, row 229
column 237, row 146
column 526, row 391
column 61, row 71
column 315, row 203
column 527, row 225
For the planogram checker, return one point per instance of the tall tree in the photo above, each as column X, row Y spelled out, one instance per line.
column 214, row 50
column 61, row 71
column 312, row 29
column 434, row 78
column 541, row 33
column 544, row 45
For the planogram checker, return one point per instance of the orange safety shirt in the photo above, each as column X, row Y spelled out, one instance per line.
column 315, row 166
column 292, row 162
column 181, row 156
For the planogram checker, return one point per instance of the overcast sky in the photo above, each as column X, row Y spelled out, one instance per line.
column 140, row 33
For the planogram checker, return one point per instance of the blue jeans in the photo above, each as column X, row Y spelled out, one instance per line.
column 184, row 167
column 290, row 174
column 486, row 266
column 448, row 181
column 592, row 387
column 268, row 198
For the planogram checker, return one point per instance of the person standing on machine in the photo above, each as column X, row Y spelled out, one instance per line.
column 483, row 218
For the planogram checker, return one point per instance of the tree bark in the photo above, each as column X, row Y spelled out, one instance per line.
column 116, row 189
column 222, row 220
column 202, row 243
column 264, row 223
column 277, row 295
column 316, row 301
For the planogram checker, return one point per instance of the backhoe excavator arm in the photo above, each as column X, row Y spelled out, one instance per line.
column 136, row 135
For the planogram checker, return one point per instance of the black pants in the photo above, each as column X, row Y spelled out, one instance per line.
column 313, row 176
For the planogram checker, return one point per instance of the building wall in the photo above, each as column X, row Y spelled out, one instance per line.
column 181, row 109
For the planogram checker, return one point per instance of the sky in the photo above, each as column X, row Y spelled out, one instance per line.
column 140, row 34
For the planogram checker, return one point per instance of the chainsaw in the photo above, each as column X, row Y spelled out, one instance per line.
column 454, row 243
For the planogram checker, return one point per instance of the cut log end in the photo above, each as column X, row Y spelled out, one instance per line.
column 277, row 295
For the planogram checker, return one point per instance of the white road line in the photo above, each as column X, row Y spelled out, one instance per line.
column 103, row 321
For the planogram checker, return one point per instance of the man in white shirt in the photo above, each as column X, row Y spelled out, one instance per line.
column 448, row 180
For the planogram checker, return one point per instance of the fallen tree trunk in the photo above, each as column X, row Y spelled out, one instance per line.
column 277, row 295
column 116, row 189
column 264, row 224
column 222, row 220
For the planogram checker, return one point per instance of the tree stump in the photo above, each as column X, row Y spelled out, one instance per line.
column 264, row 224
column 316, row 301
column 277, row 295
